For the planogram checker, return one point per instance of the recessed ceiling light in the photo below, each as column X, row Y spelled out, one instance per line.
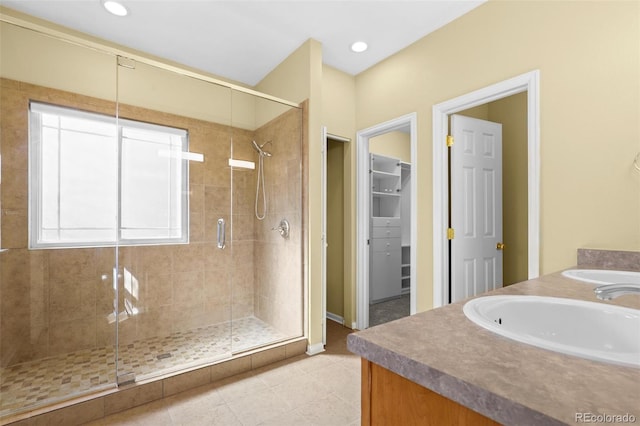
column 115, row 7
column 359, row 46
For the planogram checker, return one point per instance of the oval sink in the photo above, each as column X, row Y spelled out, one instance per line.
column 601, row 277
column 591, row 330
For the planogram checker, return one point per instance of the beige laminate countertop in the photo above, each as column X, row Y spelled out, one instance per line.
column 507, row 381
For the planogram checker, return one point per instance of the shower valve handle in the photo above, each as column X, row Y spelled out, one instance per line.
column 283, row 228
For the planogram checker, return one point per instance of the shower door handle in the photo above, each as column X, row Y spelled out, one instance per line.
column 221, row 232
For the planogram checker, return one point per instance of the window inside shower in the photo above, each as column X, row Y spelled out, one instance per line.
column 76, row 194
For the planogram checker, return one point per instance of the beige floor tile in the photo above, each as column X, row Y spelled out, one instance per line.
column 201, row 399
column 259, row 407
column 329, row 411
column 351, row 362
column 339, row 381
column 237, row 387
column 301, row 390
column 276, row 374
column 152, row 414
column 220, row 415
column 286, row 419
column 315, row 362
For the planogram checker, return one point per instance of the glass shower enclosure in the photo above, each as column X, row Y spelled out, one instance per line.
column 141, row 230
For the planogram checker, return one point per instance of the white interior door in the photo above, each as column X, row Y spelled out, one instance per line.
column 476, row 207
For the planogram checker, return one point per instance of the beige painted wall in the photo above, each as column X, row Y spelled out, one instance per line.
column 335, row 228
column 512, row 113
column 392, row 144
column 299, row 78
column 588, row 56
column 339, row 116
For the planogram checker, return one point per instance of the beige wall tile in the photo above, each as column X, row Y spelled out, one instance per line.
column 14, row 229
column 69, row 336
column 73, row 415
column 69, row 265
column 216, row 259
column 217, row 171
column 154, row 322
column 196, row 227
column 188, row 287
column 188, row 258
column 188, row 316
column 157, row 259
column 133, row 397
column 14, row 188
column 157, row 290
column 181, row 382
column 217, row 199
column 296, row 348
column 217, row 310
column 230, row 368
column 196, row 198
column 269, row 356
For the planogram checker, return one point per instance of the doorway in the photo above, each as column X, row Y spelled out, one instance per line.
column 379, row 230
column 527, row 83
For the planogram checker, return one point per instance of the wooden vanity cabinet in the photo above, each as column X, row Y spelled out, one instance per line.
column 390, row 399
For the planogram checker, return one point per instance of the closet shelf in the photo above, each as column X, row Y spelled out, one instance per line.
column 378, row 173
column 385, row 194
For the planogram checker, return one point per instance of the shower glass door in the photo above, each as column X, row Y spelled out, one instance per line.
column 174, row 290
column 266, row 222
column 56, row 294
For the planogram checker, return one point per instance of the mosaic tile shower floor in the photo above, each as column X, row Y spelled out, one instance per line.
column 28, row 384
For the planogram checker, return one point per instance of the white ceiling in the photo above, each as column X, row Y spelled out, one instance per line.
column 243, row 40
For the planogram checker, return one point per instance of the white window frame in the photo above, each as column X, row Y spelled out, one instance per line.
column 35, row 179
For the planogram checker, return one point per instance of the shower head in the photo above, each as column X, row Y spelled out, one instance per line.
column 260, row 149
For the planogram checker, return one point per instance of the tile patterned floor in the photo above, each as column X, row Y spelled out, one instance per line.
column 33, row 383
column 320, row 390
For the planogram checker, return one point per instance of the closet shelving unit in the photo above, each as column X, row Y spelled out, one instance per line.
column 385, row 250
column 405, row 223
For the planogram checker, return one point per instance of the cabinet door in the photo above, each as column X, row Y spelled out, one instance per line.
column 391, row 232
column 386, row 244
column 385, row 279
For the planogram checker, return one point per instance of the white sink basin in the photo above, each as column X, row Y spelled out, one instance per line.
column 601, row 277
column 591, row 330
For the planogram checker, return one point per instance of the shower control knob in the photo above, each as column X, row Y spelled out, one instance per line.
column 283, row 228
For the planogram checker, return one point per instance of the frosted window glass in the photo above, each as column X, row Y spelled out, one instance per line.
column 75, row 188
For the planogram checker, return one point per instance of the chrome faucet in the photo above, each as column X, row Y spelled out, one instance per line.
column 611, row 291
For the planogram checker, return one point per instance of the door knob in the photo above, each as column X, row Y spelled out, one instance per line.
column 500, row 246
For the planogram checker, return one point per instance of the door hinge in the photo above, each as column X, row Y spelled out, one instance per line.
column 451, row 234
column 449, row 141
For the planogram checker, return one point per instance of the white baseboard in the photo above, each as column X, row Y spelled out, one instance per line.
column 335, row 318
column 315, row 349
column 354, row 325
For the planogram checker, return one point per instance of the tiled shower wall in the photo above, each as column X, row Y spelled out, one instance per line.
column 58, row 301
column 279, row 261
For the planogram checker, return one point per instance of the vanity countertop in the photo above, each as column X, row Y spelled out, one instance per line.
column 507, row 381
